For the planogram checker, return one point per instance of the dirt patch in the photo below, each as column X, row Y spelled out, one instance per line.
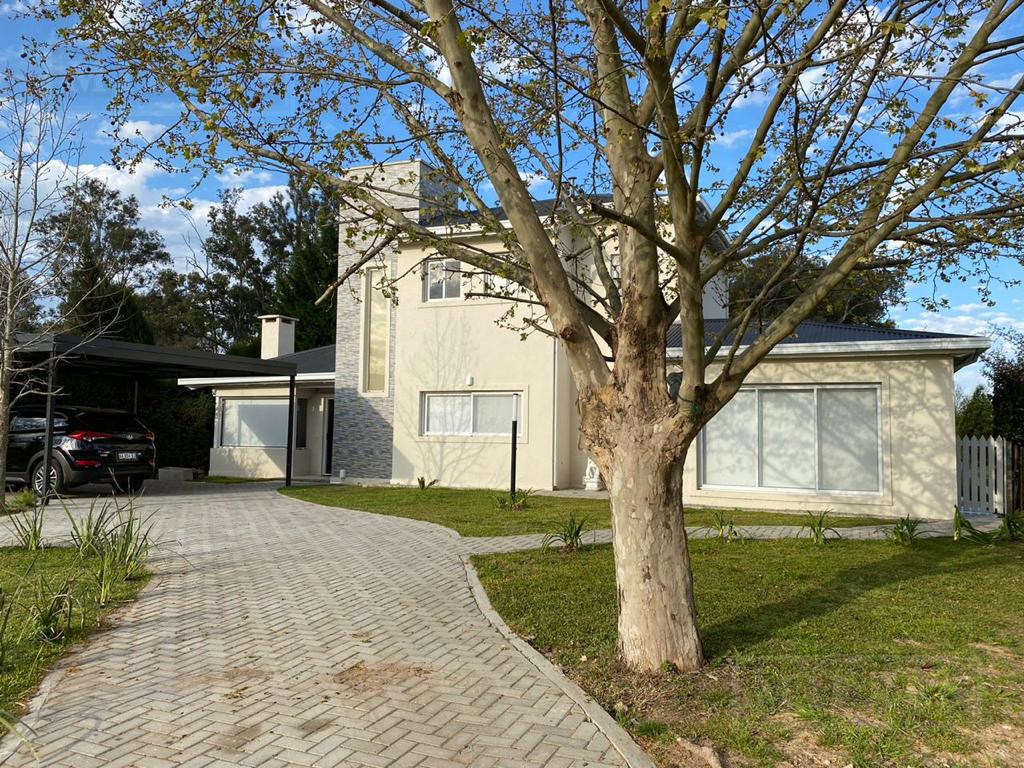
column 371, row 676
column 1001, row 744
column 802, row 749
column 223, row 677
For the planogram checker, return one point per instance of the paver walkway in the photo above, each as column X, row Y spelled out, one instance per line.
column 279, row 633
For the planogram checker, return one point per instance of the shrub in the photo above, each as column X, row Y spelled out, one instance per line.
column 1012, row 527
column 27, row 529
column 905, row 531
column 818, row 528
column 568, row 535
column 423, row 484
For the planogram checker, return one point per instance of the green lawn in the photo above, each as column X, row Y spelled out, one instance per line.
column 475, row 512
column 225, row 480
column 862, row 653
column 28, row 658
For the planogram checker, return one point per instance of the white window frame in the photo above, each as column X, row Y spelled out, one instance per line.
column 758, row 447
column 472, row 395
column 446, row 266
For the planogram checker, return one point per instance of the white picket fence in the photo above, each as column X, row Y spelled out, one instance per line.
column 988, row 474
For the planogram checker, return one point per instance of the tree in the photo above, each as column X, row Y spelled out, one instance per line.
column 1005, row 370
column 299, row 234
column 864, row 298
column 39, row 147
column 104, row 255
column 237, row 281
column 176, row 309
column 974, row 414
column 860, row 150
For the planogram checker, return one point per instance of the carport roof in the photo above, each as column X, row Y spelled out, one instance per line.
column 127, row 358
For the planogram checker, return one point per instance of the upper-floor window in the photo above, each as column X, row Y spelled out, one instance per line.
column 443, row 280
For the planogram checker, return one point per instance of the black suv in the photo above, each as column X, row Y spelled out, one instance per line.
column 90, row 445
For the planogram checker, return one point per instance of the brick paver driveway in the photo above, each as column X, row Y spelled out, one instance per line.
column 281, row 633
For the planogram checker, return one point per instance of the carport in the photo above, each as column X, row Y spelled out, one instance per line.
column 45, row 353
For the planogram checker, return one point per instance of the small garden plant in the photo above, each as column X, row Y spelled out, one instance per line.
column 905, row 531
column 723, row 528
column 568, row 535
column 508, row 502
column 819, row 528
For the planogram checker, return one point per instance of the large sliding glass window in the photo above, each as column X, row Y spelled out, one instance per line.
column 254, row 422
column 375, row 333
column 815, row 438
column 471, row 413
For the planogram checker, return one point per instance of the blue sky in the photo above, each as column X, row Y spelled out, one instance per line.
column 183, row 232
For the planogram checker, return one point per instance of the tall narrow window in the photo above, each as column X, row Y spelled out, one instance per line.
column 375, row 333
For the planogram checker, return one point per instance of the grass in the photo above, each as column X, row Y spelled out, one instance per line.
column 28, row 657
column 476, row 513
column 861, row 653
column 225, row 480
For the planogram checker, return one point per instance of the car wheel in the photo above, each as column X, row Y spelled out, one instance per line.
column 57, row 480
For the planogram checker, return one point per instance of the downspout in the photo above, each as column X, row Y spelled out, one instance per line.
column 554, row 414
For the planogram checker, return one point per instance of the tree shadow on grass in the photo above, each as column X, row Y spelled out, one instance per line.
column 767, row 620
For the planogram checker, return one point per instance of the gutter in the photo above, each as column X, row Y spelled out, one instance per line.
column 966, row 349
column 326, row 377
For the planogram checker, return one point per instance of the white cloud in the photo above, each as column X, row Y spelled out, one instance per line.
column 143, row 129
column 729, row 138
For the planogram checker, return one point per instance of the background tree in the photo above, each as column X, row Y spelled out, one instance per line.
column 176, row 307
column 299, row 236
column 39, row 148
column 864, row 298
column 236, row 278
column 974, row 413
column 1005, row 370
column 860, row 151
column 104, row 256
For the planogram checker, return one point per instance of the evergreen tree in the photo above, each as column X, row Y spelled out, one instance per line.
column 104, row 256
column 1005, row 370
column 974, row 414
column 863, row 299
column 238, row 280
column 299, row 234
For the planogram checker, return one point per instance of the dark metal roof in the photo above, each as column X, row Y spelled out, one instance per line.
column 317, row 360
column 125, row 358
column 815, row 332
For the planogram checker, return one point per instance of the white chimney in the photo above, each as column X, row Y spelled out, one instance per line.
column 277, row 335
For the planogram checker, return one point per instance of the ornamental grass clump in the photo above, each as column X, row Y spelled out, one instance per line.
column 568, row 535
column 818, row 528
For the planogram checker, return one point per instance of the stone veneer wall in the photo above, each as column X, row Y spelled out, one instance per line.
column 363, row 424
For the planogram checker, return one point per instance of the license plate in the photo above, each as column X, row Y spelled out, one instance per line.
column 128, row 455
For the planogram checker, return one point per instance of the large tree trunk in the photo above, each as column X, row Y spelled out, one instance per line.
column 657, row 616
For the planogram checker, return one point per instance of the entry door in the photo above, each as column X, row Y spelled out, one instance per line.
column 329, row 436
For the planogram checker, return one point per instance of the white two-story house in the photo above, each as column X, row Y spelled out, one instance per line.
column 426, row 383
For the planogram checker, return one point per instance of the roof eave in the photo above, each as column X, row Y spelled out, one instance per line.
column 964, row 349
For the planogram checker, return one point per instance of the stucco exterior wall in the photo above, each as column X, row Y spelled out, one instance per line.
column 270, row 463
column 455, row 345
column 917, row 436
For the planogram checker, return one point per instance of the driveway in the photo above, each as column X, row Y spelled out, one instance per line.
column 279, row 633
